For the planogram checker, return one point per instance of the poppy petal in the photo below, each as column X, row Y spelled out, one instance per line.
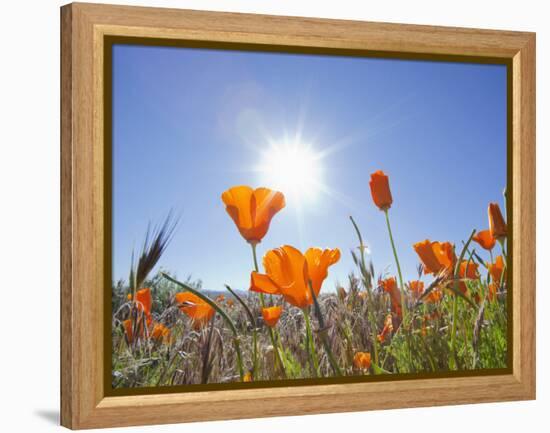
column 261, row 283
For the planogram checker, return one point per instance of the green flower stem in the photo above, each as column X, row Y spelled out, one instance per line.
column 221, row 312
column 401, row 286
column 453, row 360
column 278, row 359
column 254, row 329
column 370, row 299
column 404, row 308
column 310, row 345
column 255, row 257
column 280, row 350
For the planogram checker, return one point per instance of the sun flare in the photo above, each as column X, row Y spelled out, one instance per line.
column 294, row 168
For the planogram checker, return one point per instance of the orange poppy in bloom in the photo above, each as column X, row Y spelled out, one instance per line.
column 144, row 301
column 198, row 310
column 485, row 239
column 497, row 226
column 496, row 269
column 388, row 329
column 288, row 273
column 390, row 286
column 160, row 332
column 417, row 287
column 434, row 296
column 252, row 210
column 436, row 257
column 229, row 303
column 380, row 190
column 468, row 269
column 129, row 329
column 129, row 296
column 220, row 298
column 247, row 377
column 272, row 315
column 362, row 360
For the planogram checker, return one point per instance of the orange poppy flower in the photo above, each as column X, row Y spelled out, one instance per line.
column 144, row 302
column 288, row 273
column 380, row 190
column 496, row 269
column 272, row 315
column 434, row 296
column 129, row 296
column 436, row 257
column 220, row 298
column 390, row 286
column 129, row 329
column 388, row 329
column 252, row 210
column 160, row 332
column 417, row 287
column 362, row 360
column 229, row 303
column 497, row 226
column 468, row 269
column 198, row 310
column 485, row 239
column 247, row 377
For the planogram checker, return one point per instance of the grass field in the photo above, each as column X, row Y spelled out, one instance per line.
column 452, row 317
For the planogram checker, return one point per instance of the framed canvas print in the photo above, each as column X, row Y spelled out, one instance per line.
column 270, row 216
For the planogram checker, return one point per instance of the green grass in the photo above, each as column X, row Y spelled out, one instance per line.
column 208, row 355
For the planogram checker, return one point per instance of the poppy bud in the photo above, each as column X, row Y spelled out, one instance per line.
column 380, row 190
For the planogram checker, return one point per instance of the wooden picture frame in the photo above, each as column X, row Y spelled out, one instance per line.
column 84, row 28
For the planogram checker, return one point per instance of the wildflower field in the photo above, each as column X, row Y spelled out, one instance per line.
column 286, row 325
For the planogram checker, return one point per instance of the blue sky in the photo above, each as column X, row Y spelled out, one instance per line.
column 190, row 123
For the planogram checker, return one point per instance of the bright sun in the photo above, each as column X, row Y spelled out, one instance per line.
column 294, row 168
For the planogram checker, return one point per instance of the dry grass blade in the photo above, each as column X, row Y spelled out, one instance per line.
column 206, row 350
column 323, row 333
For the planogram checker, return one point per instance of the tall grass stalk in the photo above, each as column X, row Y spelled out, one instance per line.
column 323, row 333
column 455, row 299
column 370, row 313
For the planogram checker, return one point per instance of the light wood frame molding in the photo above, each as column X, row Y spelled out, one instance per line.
column 83, row 400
